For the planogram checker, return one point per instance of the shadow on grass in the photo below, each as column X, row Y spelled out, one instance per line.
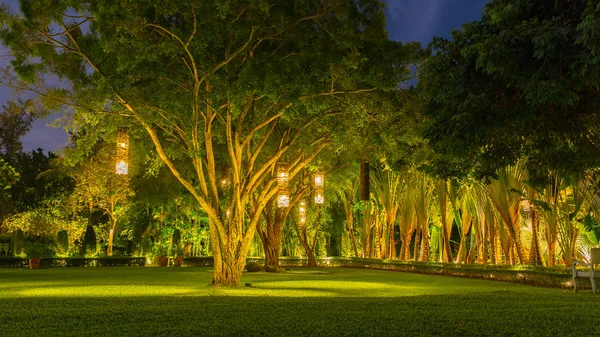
column 496, row 313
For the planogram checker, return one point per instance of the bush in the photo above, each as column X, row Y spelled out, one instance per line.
column 253, row 267
column 119, row 250
column 13, row 262
column 17, row 262
column 17, row 239
column 62, row 242
column 34, row 249
column 271, row 268
column 89, row 241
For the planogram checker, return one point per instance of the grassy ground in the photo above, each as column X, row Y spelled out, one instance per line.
column 317, row 302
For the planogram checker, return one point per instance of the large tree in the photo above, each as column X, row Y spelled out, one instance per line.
column 521, row 82
column 209, row 82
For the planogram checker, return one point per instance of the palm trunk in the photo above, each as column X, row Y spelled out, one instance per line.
column 425, row 243
column 353, row 240
column 416, row 245
column 552, row 253
column 447, row 249
column 405, row 249
column 377, row 240
column 393, row 252
column 535, row 258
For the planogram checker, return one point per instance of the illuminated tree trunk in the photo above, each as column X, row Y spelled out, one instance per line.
column 377, row 240
column 348, row 197
column 552, row 253
column 416, row 245
column 424, row 255
column 392, row 242
column 535, row 256
column 271, row 235
column 405, row 249
column 492, row 242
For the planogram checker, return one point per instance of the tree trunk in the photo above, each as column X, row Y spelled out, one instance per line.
column 520, row 250
column 110, row 243
column 416, row 246
column 472, row 256
column 392, row 242
column 462, row 249
column 447, row 249
column 228, row 270
column 425, row 244
column 312, row 259
column 377, row 240
column 353, row 240
column 111, row 235
column 271, row 235
column 535, row 258
column 405, row 249
column 551, row 253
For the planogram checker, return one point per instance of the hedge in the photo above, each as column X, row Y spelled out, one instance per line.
column 50, row 262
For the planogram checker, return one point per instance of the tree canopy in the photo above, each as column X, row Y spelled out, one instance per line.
column 520, row 82
column 224, row 90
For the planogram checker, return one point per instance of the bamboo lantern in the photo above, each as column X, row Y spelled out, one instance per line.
column 302, row 212
column 319, row 187
column 365, row 187
column 122, row 162
column 283, row 176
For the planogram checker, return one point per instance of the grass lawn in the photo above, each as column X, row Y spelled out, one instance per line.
column 135, row 301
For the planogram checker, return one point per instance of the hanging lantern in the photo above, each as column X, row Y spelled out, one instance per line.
column 319, row 187
column 122, row 165
column 302, row 212
column 283, row 175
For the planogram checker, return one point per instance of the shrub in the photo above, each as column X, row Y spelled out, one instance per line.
column 34, row 249
column 119, row 250
column 17, row 239
column 253, row 267
column 89, row 241
column 146, row 244
column 62, row 242
column 176, row 236
column 271, row 268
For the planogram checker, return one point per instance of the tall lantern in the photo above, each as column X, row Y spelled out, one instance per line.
column 122, row 162
column 302, row 212
column 319, row 187
column 283, row 176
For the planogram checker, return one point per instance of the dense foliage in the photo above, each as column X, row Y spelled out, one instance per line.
column 520, row 82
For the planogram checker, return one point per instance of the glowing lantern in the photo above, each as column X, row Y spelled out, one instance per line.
column 122, row 165
column 319, row 188
column 302, row 212
column 283, row 176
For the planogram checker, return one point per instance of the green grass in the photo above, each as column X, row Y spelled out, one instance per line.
column 317, row 302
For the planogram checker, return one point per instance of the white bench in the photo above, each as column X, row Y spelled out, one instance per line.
column 594, row 259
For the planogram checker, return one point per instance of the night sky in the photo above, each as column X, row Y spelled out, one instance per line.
column 408, row 20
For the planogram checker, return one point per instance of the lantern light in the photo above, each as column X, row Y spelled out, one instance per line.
column 319, row 187
column 122, row 165
column 302, row 212
column 283, row 201
column 283, row 176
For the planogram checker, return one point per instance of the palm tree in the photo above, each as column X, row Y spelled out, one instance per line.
column 442, row 202
column 387, row 187
column 505, row 194
column 422, row 199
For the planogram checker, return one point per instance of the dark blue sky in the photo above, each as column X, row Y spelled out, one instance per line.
column 408, row 20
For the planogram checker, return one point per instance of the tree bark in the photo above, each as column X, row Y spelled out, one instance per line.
column 425, row 243
column 535, row 257
column 392, row 242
